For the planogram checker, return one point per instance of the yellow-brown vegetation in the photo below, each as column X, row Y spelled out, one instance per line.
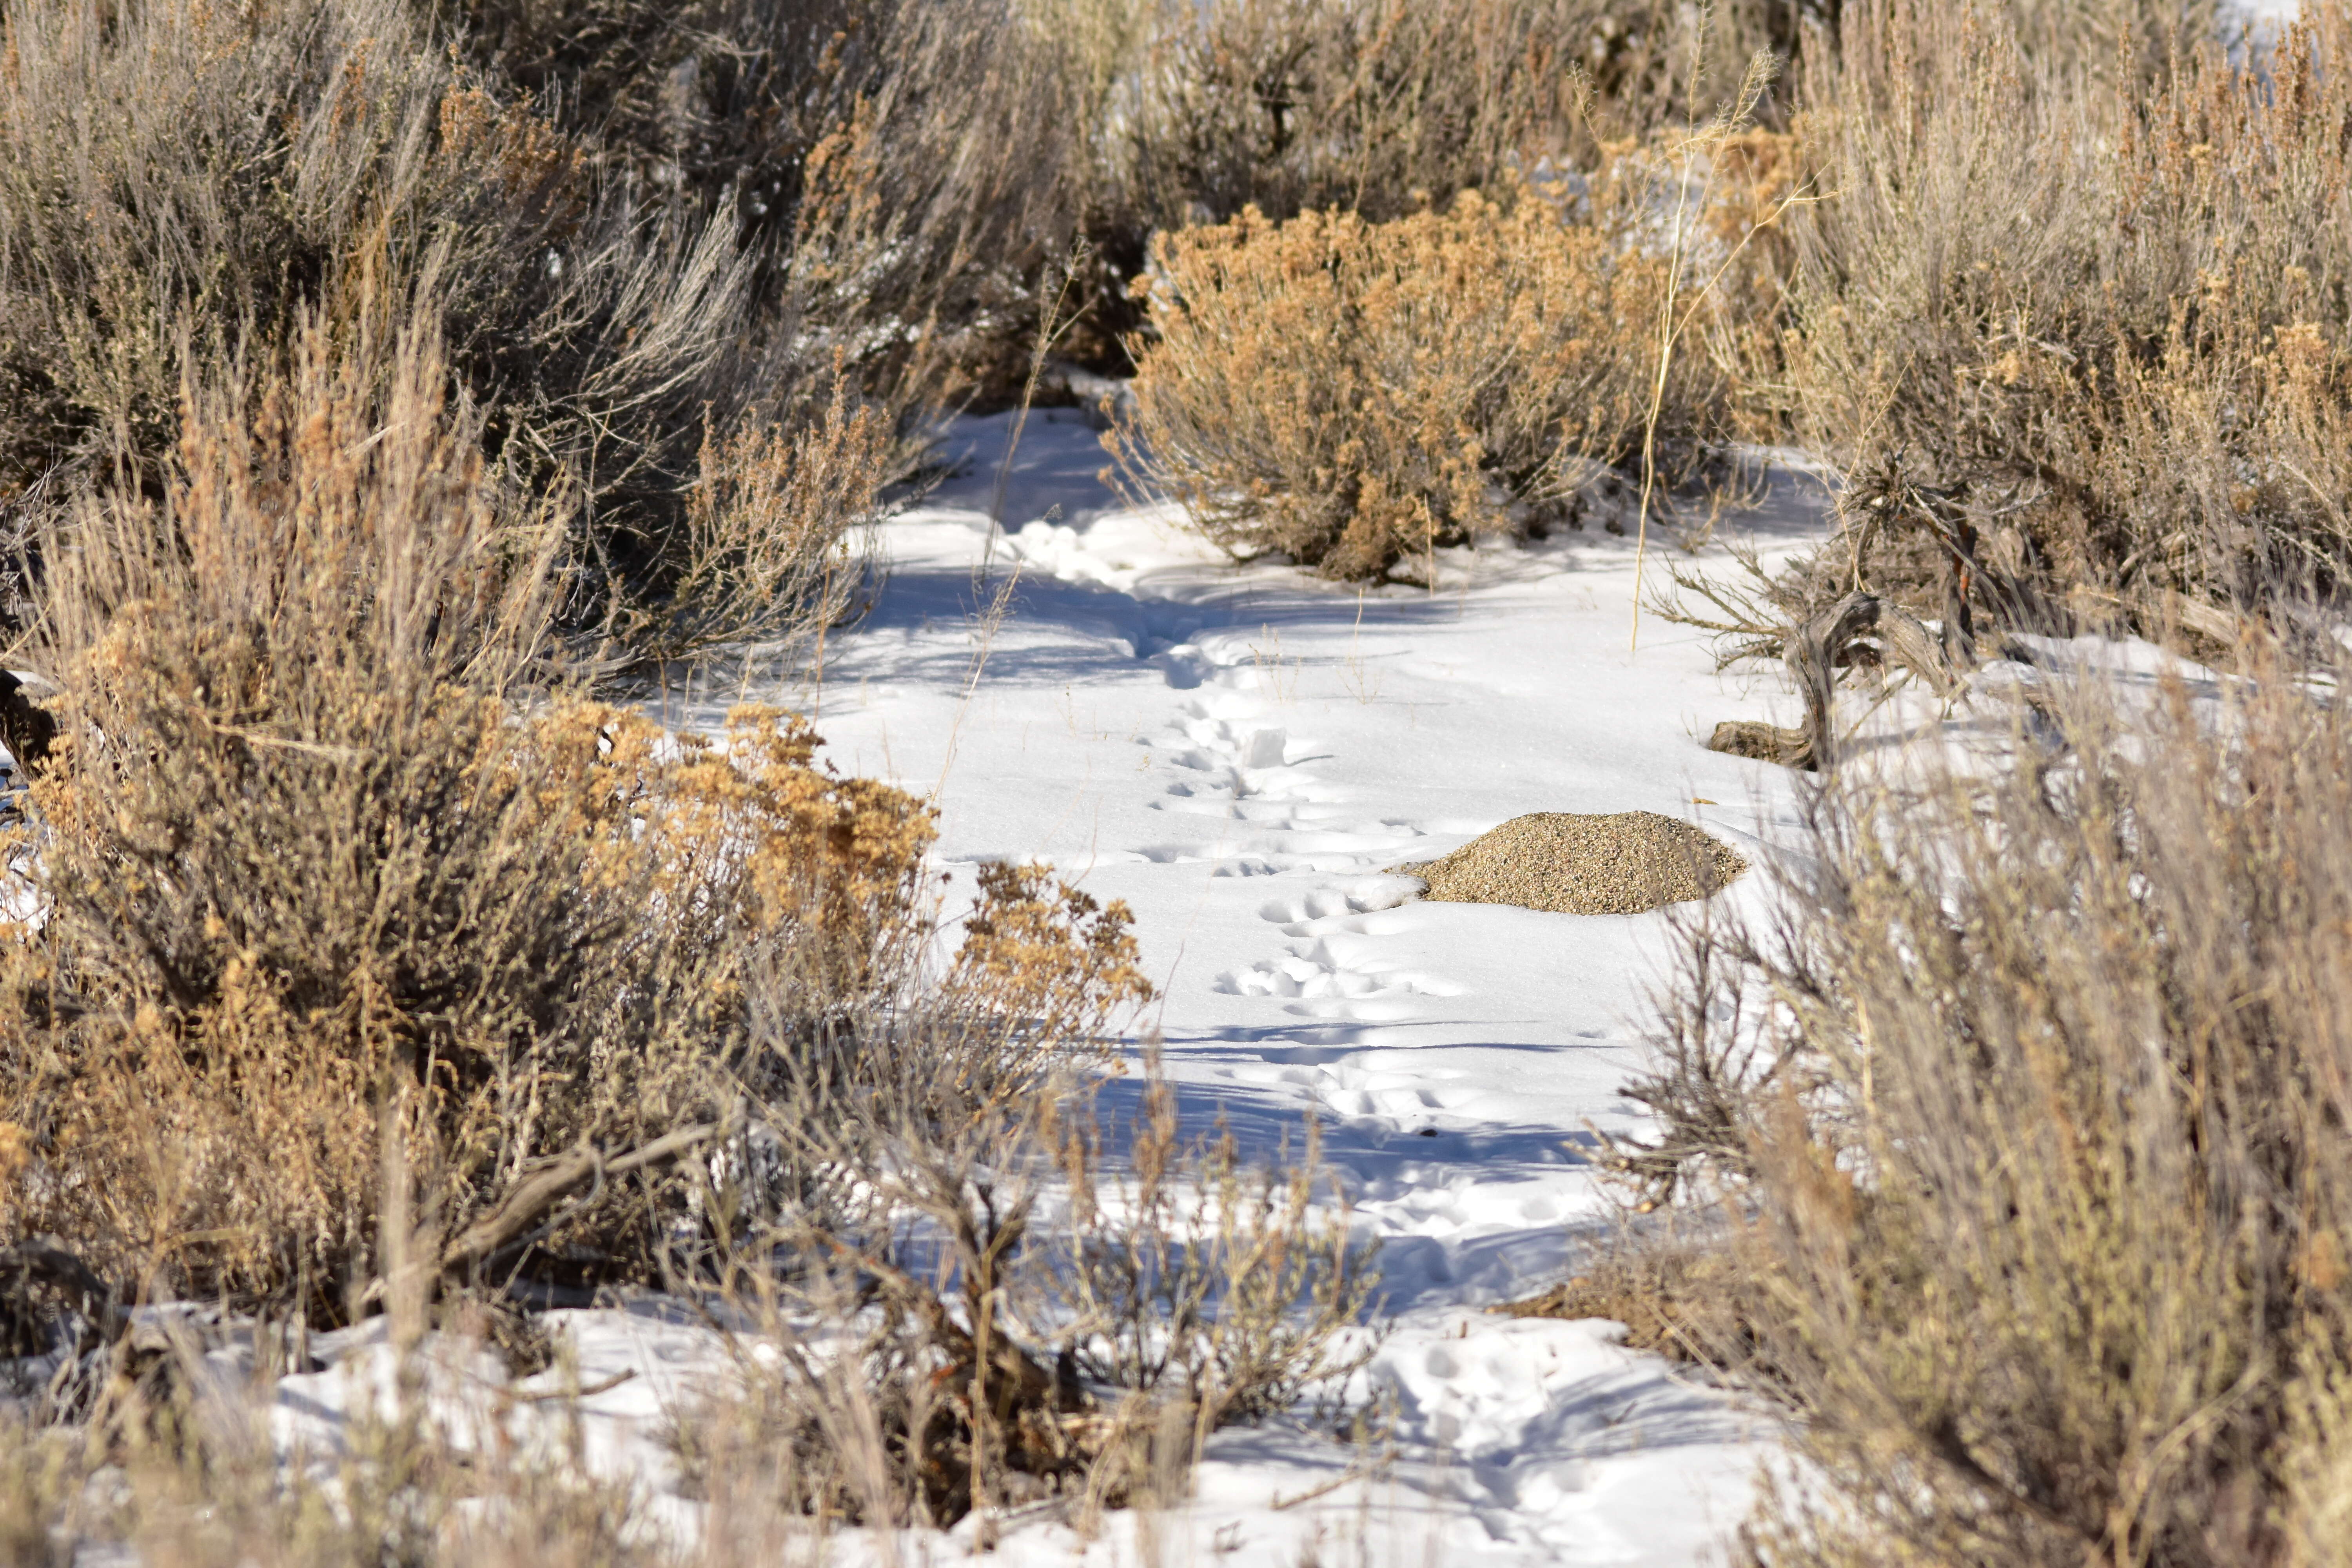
column 2080, row 329
column 1354, row 394
column 2022, row 1124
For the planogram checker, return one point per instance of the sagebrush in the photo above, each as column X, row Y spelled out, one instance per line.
column 2076, row 334
column 326, row 863
column 2024, row 1115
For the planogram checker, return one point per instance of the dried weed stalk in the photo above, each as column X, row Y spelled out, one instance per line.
column 994, row 1315
column 1695, row 154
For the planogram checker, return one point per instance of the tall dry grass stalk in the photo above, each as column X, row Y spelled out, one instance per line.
column 2024, row 1118
column 1695, row 155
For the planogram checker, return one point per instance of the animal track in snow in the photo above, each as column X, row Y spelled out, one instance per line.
column 1234, row 762
column 1234, row 759
column 1407, row 1096
column 1348, row 908
column 1334, row 967
column 1337, row 971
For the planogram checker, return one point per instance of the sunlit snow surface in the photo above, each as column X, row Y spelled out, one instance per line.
column 1239, row 753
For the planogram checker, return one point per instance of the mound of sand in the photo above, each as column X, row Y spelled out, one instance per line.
column 1620, row 864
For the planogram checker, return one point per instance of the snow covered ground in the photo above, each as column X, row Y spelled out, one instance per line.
column 1239, row 753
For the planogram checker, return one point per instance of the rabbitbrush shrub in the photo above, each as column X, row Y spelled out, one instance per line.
column 1355, row 395
column 328, row 876
column 356, row 930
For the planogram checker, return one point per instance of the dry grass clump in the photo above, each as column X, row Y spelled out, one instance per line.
column 2027, row 1113
column 1622, row 864
column 1355, row 395
column 2070, row 333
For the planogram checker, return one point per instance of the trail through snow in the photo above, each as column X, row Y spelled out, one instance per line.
column 1239, row 753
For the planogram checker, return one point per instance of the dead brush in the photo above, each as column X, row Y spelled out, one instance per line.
column 1356, row 394
column 699, row 267
column 398, row 1490
column 1294, row 106
column 988, row 1314
column 780, row 535
column 1195, row 113
column 371, row 975
column 185, row 183
column 2024, row 1112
